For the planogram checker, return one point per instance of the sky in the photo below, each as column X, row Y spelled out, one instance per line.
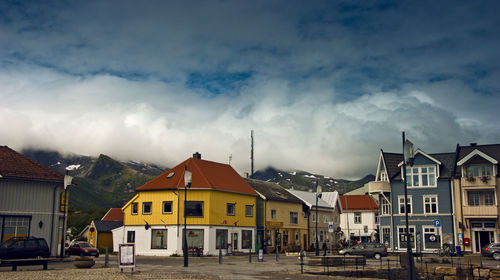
column 324, row 85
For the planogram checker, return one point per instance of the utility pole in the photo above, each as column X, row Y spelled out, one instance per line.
column 251, row 153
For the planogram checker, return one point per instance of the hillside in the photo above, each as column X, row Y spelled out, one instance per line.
column 302, row 180
column 102, row 182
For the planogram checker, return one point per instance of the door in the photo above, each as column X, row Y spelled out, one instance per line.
column 481, row 239
column 305, row 242
column 235, row 241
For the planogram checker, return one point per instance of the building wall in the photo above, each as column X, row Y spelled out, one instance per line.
column 282, row 224
column 39, row 201
column 214, row 208
column 323, row 226
column 367, row 219
column 417, row 218
column 104, row 240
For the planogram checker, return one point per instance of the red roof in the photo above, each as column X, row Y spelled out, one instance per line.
column 358, row 202
column 16, row 165
column 113, row 214
column 205, row 175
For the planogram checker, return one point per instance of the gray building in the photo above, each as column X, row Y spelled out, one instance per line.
column 430, row 208
column 32, row 200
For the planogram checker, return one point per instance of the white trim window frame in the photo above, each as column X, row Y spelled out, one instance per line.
column 401, row 202
column 386, row 236
column 430, row 204
column 357, row 217
column 385, row 206
column 427, row 232
column 402, row 230
column 421, row 177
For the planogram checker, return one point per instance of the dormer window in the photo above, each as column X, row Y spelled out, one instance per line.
column 478, row 170
column 383, row 176
column 424, row 176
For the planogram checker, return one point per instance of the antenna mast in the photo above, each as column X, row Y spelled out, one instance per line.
column 251, row 153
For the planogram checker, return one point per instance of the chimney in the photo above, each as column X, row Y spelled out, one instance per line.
column 473, row 144
column 197, row 155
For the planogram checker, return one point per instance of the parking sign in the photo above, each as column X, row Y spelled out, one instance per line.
column 437, row 223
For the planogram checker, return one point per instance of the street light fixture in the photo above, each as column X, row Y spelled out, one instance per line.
column 318, row 193
column 408, row 155
column 187, row 184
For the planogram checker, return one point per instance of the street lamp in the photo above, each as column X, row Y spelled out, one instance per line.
column 187, row 184
column 408, row 159
column 318, row 193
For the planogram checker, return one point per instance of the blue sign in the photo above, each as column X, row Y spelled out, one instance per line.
column 437, row 223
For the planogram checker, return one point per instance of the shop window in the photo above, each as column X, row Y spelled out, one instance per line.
column 246, row 239
column 221, row 239
column 158, row 239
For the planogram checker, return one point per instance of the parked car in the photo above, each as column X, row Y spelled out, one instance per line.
column 492, row 250
column 375, row 250
column 24, row 248
column 82, row 248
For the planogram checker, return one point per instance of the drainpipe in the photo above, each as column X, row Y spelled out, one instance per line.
column 453, row 212
column 52, row 222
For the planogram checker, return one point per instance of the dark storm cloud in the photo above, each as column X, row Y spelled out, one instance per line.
column 324, row 85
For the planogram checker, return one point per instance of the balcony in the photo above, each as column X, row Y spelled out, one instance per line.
column 479, row 182
column 379, row 187
column 480, row 211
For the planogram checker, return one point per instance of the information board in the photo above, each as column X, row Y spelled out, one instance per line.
column 127, row 255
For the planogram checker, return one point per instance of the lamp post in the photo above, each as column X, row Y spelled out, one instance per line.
column 187, row 184
column 318, row 193
column 408, row 159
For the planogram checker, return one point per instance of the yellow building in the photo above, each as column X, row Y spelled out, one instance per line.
column 476, row 190
column 281, row 220
column 99, row 234
column 220, row 211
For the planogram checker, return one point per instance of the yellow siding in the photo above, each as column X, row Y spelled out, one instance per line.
column 218, row 211
column 283, row 210
column 92, row 236
column 105, row 240
column 214, row 208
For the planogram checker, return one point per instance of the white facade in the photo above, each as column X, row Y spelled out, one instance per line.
column 143, row 239
column 358, row 223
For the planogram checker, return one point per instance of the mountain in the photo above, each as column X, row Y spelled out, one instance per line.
column 302, row 180
column 102, row 182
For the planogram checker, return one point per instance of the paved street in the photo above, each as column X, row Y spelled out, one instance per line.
column 234, row 267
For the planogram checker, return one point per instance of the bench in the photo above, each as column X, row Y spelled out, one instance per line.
column 195, row 252
column 14, row 263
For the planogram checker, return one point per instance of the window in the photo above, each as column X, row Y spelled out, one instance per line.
column 273, row 214
column 195, row 238
column 15, row 226
column 221, row 239
column 377, row 219
column 430, row 204
column 297, row 237
column 167, row 207
column 269, row 238
column 321, row 236
column 473, row 198
column 249, row 210
column 386, row 236
column 402, row 237
column 231, row 209
column 194, row 208
column 421, row 176
column 146, row 208
column 383, row 176
column 285, row 238
column 313, row 218
column 432, row 240
column 385, row 206
column 402, row 203
column 294, row 218
column 131, row 236
column 246, row 239
column 135, row 208
column 477, row 170
column 489, row 199
column 158, row 239
column 357, row 217
column 326, row 219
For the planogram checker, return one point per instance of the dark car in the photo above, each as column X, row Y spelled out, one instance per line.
column 375, row 250
column 492, row 250
column 24, row 248
column 82, row 248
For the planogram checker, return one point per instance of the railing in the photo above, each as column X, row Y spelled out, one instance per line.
column 478, row 181
column 379, row 186
column 481, row 210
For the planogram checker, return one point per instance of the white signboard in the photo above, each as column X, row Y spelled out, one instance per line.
column 261, row 255
column 127, row 255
